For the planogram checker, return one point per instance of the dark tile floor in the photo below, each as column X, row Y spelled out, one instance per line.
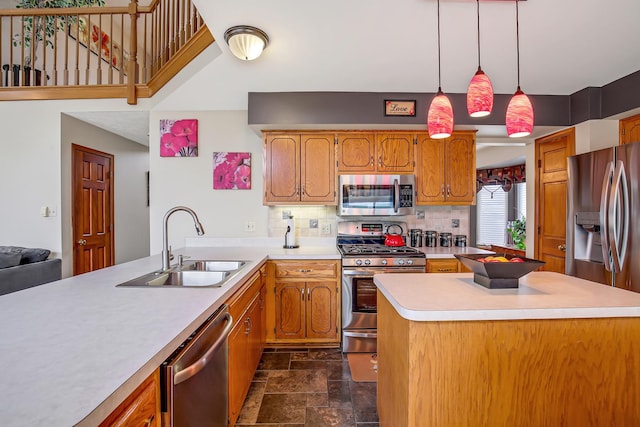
column 307, row 387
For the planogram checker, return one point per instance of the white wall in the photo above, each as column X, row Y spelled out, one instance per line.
column 31, row 169
column 131, row 163
column 189, row 181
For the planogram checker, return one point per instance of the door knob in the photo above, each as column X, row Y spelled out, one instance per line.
column 82, row 242
column 562, row 247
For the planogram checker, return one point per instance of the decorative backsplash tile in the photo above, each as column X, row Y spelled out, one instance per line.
column 438, row 218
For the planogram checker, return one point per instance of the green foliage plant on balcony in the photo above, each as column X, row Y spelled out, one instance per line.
column 518, row 231
column 46, row 26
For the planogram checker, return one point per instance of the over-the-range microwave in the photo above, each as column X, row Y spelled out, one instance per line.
column 380, row 195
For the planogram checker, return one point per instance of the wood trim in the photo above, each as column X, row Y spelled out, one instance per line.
column 198, row 43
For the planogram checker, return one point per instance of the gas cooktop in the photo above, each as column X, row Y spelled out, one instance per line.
column 358, row 249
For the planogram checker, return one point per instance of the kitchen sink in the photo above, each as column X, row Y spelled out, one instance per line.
column 194, row 274
column 212, row 265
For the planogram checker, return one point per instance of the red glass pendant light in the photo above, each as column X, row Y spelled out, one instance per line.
column 519, row 119
column 440, row 114
column 480, row 91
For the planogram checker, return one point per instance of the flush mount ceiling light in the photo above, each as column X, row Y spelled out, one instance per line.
column 480, row 92
column 245, row 42
column 519, row 118
column 440, row 114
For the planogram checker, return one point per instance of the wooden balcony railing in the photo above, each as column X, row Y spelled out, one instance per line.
column 97, row 52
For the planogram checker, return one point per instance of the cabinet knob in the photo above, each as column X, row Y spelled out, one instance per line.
column 149, row 421
column 443, row 189
column 371, row 160
column 302, row 294
column 304, row 270
column 82, row 242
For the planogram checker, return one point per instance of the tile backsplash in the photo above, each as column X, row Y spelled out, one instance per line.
column 438, row 218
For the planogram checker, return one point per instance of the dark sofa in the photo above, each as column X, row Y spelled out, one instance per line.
column 22, row 268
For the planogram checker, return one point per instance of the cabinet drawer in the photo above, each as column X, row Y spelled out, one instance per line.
column 442, row 266
column 240, row 301
column 306, row 269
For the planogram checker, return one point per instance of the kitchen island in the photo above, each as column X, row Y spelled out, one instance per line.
column 557, row 351
column 74, row 349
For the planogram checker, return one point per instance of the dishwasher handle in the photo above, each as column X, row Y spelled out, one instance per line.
column 197, row 366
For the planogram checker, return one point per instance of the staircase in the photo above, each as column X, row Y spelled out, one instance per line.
column 97, row 52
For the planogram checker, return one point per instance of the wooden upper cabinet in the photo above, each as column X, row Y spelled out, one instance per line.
column 318, row 170
column 356, row 152
column 630, row 130
column 299, row 168
column 446, row 169
column 282, row 168
column 396, row 152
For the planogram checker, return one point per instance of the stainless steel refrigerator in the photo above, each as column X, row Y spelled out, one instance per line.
column 603, row 216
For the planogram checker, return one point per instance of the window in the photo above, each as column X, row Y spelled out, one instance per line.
column 494, row 208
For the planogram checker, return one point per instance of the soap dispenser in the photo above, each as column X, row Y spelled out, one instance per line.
column 290, row 234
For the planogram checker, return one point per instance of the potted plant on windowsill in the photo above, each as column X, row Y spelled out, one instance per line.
column 43, row 28
column 518, row 231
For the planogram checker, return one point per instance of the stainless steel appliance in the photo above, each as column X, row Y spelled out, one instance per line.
column 382, row 195
column 603, row 225
column 363, row 255
column 195, row 380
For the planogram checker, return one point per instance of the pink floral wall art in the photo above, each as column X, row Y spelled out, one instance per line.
column 231, row 171
column 179, row 138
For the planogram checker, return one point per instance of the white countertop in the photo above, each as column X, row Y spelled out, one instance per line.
column 541, row 295
column 72, row 350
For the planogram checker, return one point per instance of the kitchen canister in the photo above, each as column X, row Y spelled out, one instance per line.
column 415, row 237
column 445, row 239
column 460, row 240
column 430, row 238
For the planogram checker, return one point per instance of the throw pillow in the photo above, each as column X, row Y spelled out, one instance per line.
column 9, row 259
column 30, row 255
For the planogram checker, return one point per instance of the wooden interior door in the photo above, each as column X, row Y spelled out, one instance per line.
column 630, row 130
column 551, row 198
column 92, row 213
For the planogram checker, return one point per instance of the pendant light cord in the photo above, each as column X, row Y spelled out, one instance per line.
column 518, row 42
column 478, row 12
column 439, row 81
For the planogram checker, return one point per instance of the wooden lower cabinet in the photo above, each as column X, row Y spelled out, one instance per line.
column 246, row 340
column 141, row 408
column 446, row 265
column 303, row 302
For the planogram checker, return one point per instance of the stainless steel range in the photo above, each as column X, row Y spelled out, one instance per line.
column 364, row 254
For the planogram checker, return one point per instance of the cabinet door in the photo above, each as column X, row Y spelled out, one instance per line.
column 461, row 169
column 282, row 168
column 430, row 170
column 321, row 307
column 318, row 172
column 239, row 372
column 254, row 315
column 356, row 152
column 289, row 310
column 141, row 408
column 396, row 152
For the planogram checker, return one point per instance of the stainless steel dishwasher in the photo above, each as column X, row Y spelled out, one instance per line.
column 195, row 379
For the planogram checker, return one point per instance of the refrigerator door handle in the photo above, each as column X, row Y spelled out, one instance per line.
column 604, row 216
column 618, row 218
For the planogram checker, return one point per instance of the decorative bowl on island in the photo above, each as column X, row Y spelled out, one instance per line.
column 498, row 271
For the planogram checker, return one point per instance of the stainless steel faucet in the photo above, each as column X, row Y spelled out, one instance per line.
column 166, row 250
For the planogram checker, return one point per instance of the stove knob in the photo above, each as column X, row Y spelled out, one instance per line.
column 409, row 262
column 401, row 261
column 384, row 261
column 367, row 262
column 359, row 262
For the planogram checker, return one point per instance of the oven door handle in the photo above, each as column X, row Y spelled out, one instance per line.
column 371, row 272
column 348, row 333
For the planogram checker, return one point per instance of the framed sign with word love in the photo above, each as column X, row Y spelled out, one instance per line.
column 399, row 107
